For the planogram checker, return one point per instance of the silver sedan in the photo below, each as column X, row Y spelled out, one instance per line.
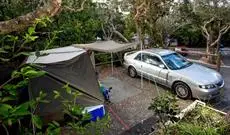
column 168, row 68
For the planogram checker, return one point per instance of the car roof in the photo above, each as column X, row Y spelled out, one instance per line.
column 159, row 51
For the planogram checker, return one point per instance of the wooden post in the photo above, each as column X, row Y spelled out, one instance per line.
column 218, row 62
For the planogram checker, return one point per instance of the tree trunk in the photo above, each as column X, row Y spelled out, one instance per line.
column 24, row 21
column 217, row 47
column 139, row 34
column 207, row 47
column 121, row 36
column 210, row 52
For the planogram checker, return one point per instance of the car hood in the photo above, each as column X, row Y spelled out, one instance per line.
column 200, row 75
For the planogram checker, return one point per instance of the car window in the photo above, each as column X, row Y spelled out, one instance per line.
column 144, row 57
column 153, row 60
column 149, row 59
column 175, row 61
column 138, row 57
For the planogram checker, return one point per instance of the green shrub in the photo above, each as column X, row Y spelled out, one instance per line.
column 201, row 121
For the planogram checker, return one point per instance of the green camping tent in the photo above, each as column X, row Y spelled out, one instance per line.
column 64, row 65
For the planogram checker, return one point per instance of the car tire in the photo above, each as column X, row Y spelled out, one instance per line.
column 182, row 90
column 132, row 72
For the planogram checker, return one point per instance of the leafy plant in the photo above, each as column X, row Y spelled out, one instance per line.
column 201, row 121
column 13, row 112
column 78, row 118
column 15, row 47
column 165, row 107
column 53, row 128
column 103, row 58
column 75, row 27
column 10, row 114
column 191, row 129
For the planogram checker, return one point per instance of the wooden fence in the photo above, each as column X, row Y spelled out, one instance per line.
column 202, row 54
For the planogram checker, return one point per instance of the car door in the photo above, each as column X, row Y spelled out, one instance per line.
column 150, row 69
column 138, row 62
column 163, row 71
column 163, row 76
column 153, row 70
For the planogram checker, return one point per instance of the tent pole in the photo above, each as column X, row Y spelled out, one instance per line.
column 141, row 65
column 92, row 57
column 112, row 62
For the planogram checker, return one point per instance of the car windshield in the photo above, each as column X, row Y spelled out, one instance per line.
column 175, row 61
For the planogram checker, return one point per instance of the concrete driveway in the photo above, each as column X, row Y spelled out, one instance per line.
column 130, row 101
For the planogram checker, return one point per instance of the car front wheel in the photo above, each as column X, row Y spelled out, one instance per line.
column 182, row 90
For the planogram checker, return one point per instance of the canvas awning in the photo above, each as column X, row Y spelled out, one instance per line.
column 106, row 46
column 55, row 55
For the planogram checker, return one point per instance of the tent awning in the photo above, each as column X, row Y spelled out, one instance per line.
column 106, row 46
column 55, row 55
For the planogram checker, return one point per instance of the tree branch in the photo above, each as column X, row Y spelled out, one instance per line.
column 204, row 27
column 225, row 29
column 216, row 41
column 103, row 29
column 76, row 10
column 111, row 33
column 138, row 14
column 24, row 21
column 4, row 126
column 221, row 33
column 204, row 34
column 205, row 31
column 119, row 34
column 211, row 20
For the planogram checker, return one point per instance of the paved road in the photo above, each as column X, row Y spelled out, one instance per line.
column 224, row 102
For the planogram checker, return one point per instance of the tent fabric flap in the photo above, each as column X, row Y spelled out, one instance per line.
column 78, row 72
column 106, row 46
column 54, row 109
column 67, row 65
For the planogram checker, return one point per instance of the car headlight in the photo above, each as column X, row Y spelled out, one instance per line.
column 209, row 86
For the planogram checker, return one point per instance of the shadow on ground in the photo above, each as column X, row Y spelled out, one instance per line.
column 143, row 128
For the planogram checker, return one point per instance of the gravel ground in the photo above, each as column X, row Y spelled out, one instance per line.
column 133, row 109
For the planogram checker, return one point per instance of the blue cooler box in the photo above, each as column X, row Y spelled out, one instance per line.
column 96, row 112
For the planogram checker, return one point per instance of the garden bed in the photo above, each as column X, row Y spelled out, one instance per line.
column 200, row 119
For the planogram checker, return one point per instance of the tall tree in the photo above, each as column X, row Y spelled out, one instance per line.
column 213, row 18
column 49, row 9
column 147, row 13
column 112, row 20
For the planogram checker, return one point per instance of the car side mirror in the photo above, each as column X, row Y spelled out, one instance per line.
column 162, row 66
